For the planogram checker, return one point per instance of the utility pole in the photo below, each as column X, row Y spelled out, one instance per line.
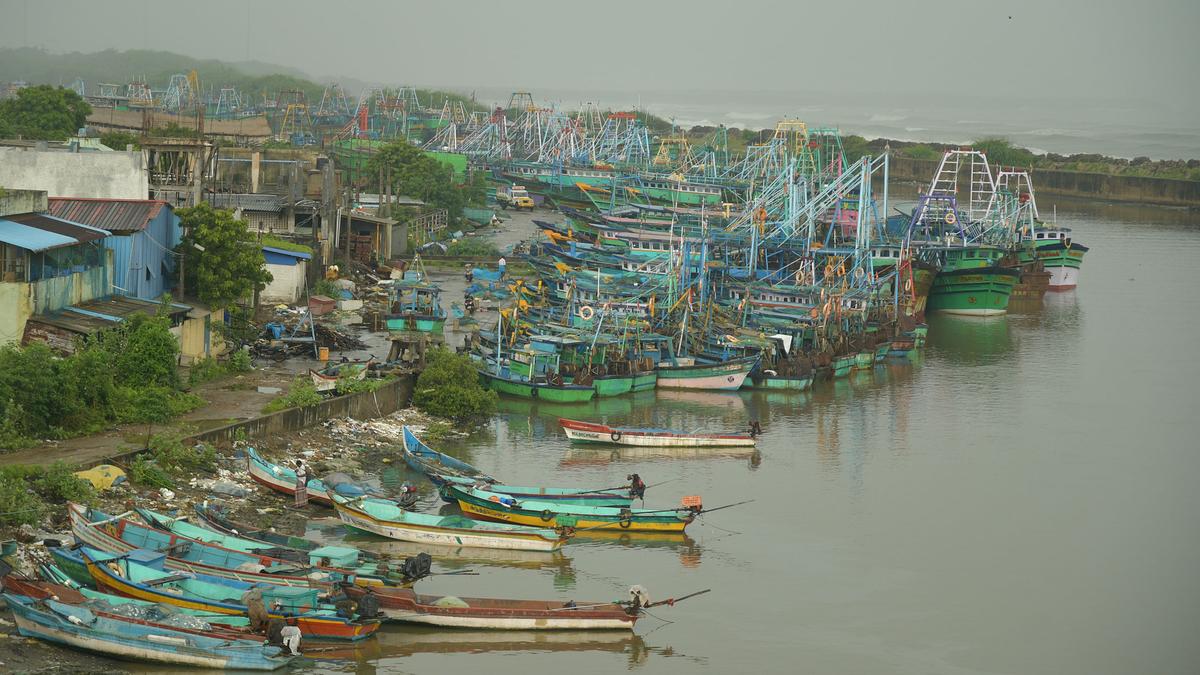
column 349, row 220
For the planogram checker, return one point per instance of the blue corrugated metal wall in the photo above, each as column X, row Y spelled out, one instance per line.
column 139, row 259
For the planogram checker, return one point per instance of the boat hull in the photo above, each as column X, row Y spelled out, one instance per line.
column 31, row 624
column 973, row 292
column 543, row 392
column 600, row 433
column 726, row 376
column 456, row 539
column 645, row 381
column 510, row 614
column 1063, row 278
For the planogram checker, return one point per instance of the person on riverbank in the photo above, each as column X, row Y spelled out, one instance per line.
column 301, row 484
column 502, row 264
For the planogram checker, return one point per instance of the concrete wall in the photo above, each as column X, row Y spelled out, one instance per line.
column 115, row 175
column 21, row 300
column 287, row 283
column 1131, row 189
column 14, row 201
column 363, row 405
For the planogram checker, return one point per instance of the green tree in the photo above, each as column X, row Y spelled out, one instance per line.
column 117, row 140
column 414, row 174
column 449, row 387
column 222, row 260
column 44, row 113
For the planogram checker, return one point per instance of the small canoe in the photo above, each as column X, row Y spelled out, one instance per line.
column 602, row 433
column 503, row 508
column 387, row 520
column 300, row 607
column 424, row 459
column 283, row 479
column 215, row 518
column 326, row 379
column 120, row 535
column 341, row 559
column 421, row 457
column 79, row 627
column 451, row 611
column 106, row 605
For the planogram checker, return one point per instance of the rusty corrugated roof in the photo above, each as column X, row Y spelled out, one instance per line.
column 119, row 216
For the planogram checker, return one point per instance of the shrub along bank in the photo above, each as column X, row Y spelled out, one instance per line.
column 127, row 374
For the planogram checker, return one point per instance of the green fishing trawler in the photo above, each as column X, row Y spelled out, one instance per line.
column 970, row 281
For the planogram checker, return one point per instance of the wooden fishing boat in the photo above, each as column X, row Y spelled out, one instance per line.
column 602, row 433
column 326, row 379
column 424, row 459
column 550, row 514
column 120, row 535
column 499, row 614
column 107, row 605
column 214, row 517
column 689, row 374
column 283, row 479
column 430, row 462
column 387, row 520
column 59, row 586
column 343, row 560
column 842, row 365
column 77, row 626
column 542, row 390
column 138, row 574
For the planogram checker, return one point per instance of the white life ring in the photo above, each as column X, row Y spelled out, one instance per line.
column 951, row 218
column 586, row 312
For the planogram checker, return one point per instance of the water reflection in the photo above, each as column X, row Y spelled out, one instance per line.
column 970, row 340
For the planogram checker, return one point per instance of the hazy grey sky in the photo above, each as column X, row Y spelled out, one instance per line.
column 1050, row 48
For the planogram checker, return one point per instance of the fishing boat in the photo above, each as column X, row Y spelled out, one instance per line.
column 57, row 585
column 79, row 627
column 1059, row 254
column 441, row 468
column 503, row 508
column 387, row 520
column 602, row 433
column 139, row 574
column 324, row 559
column 688, row 373
column 216, row 518
column 451, row 611
column 971, row 282
column 327, row 378
column 415, row 305
column 321, row 568
column 283, row 479
column 426, row 460
column 529, row 373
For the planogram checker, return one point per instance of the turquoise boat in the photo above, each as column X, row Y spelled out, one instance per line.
column 139, row 574
column 881, row 350
column 644, row 381
column 864, row 360
column 422, row 458
column 842, row 365
column 532, row 373
column 77, row 626
column 971, row 282
column 414, row 306
column 563, row 393
column 503, row 508
column 775, row 382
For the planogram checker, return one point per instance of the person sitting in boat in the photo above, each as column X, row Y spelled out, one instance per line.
column 637, row 487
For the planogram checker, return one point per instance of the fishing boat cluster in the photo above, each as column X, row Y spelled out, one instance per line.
column 204, row 589
column 786, row 267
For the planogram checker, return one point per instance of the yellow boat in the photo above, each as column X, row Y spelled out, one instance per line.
column 506, row 509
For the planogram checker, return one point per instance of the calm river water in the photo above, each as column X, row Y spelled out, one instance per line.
column 1022, row 500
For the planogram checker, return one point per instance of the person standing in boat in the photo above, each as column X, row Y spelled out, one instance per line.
column 301, row 484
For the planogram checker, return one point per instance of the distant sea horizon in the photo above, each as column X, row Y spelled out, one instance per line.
column 1114, row 128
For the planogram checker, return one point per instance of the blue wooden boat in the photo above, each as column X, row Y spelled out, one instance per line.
column 77, row 626
column 424, row 459
column 139, row 574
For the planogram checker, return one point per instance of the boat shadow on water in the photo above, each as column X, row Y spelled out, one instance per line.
column 970, row 340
